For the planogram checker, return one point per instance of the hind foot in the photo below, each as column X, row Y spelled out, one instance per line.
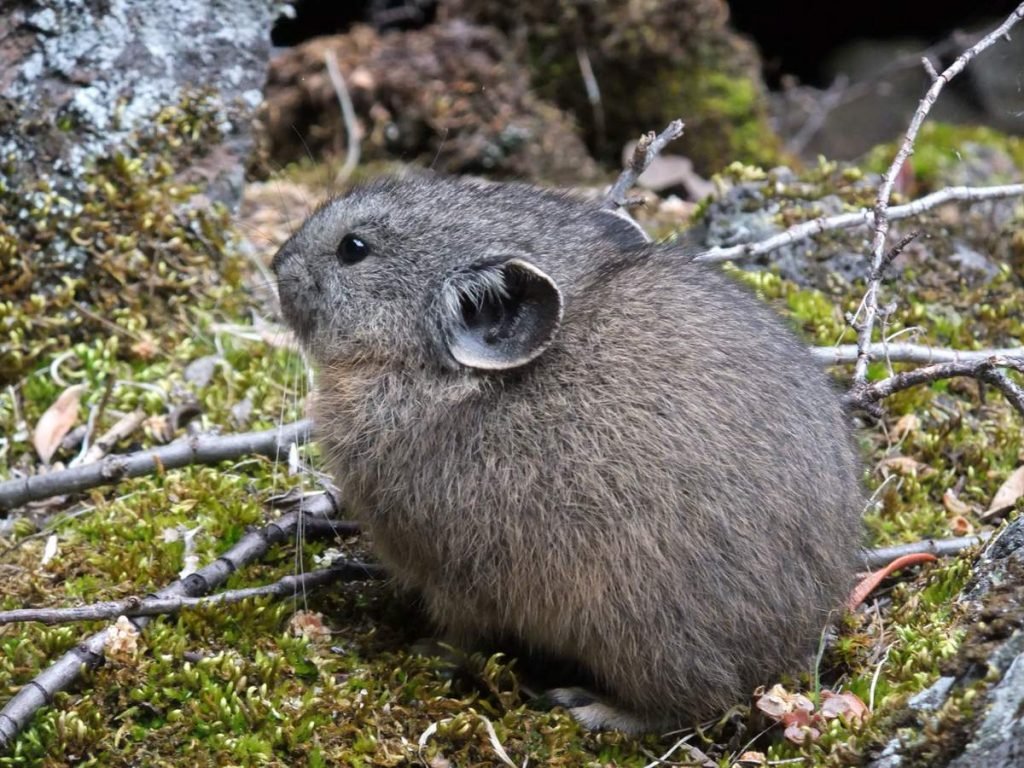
column 595, row 714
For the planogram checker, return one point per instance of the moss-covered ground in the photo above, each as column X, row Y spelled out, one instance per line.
column 149, row 284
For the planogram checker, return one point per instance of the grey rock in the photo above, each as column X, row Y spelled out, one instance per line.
column 200, row 371
column 972, row 263
column 999, row 740
column 932, row 698
column 87, row 74
column 996, row 737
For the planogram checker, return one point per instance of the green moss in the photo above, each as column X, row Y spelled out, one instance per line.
column 233, row 685
column 118, row 249
column 940, row 147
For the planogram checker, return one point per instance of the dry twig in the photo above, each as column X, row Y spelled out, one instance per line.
column 866, row 395
column 348, row 115
column 89, row 654
column 881, row 557
column 123, row 428
column 345, row 570
column 881, row 211
column 200, row 449
column 646, row 150
column 845, row 354
column 863, row 217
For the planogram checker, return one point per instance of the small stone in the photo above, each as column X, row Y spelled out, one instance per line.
column 930, row 699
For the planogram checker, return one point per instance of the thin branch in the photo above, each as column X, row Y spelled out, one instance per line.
column 346, row 570
column 881, row 211
column 348, row 115
column 861, row 218
column 60, row 675
column 199, row 449
column 845, row 354
column 882, row 556
column 593, row 90
column 123, row 428
column 866, row 395
column 895, row 251
column 646, row 150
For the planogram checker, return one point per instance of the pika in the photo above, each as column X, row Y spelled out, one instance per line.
column 560, row 433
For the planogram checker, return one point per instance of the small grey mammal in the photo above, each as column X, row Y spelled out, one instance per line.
column 559, row 433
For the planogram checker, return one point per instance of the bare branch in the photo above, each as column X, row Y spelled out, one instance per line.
column 593, row 92
column 881, row 557
column 866, row 395
column 646, row 150
column 60, row 675
column 200, row 449
column 895, row 251
column 346, row 570
column 846, row 354
column 861, row 218
column 122, row 429
column 881, row 211
column 929, row 68
column 348, row 115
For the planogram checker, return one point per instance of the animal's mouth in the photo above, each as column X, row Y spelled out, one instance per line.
column 295, row 312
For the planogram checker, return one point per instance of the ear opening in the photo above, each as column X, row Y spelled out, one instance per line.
column 500, row 317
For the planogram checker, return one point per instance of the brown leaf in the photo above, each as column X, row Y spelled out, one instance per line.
column 752, row 759
column 960, row 526
column 798, row 734
column 907, row 423
column 845, row 705
column 56, row 422
column 310, row 625
column 905, row 465
column 774, row 703
column 953, row 505
column 1008, row 493
column 122, row 643
column 779, row 704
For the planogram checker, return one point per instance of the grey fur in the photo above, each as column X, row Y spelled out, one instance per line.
column 668, row 494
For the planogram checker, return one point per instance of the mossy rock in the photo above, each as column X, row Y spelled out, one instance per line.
column 451, row 96
column 654, row 61
column 127, row 245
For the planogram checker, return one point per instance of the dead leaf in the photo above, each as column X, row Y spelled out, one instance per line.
column 960, row 526
column 310, row 625
column 907, row 423
column 56, row 422
column 798, row 734
column 752, row 759
column 779, row 704
column 774, row 703
column 845, row 705
column 1008, row 493
column 122, row 641
column 905, row 465
column 953, row 505
column 870, row 583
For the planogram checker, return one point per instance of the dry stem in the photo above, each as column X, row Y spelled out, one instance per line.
column 646, row 150
column 881, row 212
column 201, row 449
column 863, row 217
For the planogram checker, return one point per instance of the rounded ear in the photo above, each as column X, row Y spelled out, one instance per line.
column 621, row 228
column 499, row 317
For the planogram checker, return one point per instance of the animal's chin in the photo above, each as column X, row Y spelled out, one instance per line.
column 299, row 322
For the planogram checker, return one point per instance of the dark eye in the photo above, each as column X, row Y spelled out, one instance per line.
column 352, row 250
